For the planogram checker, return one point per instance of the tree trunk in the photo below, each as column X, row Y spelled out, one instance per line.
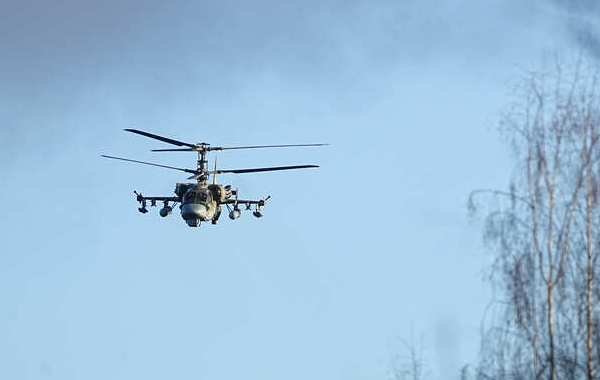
column 551, row 332
column 589, row 275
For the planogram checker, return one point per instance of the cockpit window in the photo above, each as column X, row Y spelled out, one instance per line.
column 189, row 197
column 196, row 197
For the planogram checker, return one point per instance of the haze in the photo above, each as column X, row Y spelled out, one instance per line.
column 373, row 247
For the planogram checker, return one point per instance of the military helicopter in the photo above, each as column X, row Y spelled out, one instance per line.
column 201, row 201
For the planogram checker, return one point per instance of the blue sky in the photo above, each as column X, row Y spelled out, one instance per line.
column 372, row 247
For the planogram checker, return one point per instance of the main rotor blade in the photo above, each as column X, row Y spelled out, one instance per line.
column 152, row 164
column 161, row 138
column 219, row 148
column 174, row 150
column 262, row 146
column 269, row 169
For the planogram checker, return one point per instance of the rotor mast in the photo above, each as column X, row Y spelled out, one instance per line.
column 202, row 165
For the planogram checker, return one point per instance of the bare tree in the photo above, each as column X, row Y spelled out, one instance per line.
column 409, row 363
column 544, row 232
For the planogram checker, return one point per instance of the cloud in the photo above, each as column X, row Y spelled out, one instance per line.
column 583, row 22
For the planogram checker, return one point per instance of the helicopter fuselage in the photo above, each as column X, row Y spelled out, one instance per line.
column 202, row 203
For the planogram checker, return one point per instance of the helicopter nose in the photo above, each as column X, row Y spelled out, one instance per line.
column 194, row 212
column 193, row 222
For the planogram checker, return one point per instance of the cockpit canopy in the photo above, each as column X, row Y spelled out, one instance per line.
column 197, row 196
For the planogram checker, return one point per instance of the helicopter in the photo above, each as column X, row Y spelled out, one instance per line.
column 203, row 201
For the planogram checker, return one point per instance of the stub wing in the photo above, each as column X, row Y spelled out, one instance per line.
column 143, row 200
column 248, row 202
column 243, row 202
column 159, row 199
